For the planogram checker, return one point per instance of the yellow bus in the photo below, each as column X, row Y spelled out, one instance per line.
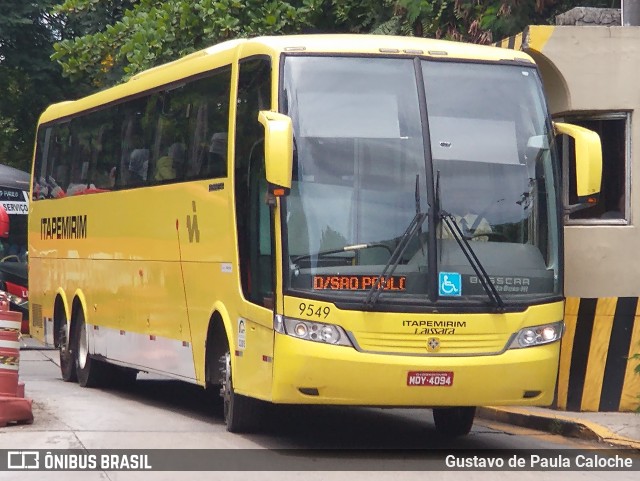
column 324, row 219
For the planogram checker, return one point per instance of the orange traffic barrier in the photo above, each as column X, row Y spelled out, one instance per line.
column 13, row 405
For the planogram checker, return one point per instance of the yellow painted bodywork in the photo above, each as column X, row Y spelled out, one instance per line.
column 136, row 268
column 481, row 375
column 140, row 270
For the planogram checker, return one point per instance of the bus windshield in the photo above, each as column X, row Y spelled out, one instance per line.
column 369, row 154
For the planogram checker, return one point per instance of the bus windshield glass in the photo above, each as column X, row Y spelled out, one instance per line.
column 365, row 166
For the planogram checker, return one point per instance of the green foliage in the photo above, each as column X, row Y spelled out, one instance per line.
column 28, row 79
column 100, row 42
column 464, row 20
column 107, row 40
column 153, row 32
column 84, row 17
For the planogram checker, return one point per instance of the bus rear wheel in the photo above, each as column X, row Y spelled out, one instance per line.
column 453, row 422
column 241, row 413
column 90, row 372
column 67, row 355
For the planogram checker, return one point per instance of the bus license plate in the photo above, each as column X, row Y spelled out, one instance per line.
column 430, row 378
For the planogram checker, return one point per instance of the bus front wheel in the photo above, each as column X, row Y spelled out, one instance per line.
column 241, row 413
column 453, row 422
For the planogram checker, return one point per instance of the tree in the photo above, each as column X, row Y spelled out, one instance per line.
column 131, row 36
column 153, row 32
column 463, row 20
column 100, row 42
column 28, row 79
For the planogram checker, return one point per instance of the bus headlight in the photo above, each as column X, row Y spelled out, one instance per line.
column 538, row 335
column 311, row 331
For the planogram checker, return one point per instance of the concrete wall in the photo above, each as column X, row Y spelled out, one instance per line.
column 596, row 69
column 587, row 69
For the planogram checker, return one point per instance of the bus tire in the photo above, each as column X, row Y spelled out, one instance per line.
column 90, row 371
column 453, row 422
column 67, row 355
column 241, row 413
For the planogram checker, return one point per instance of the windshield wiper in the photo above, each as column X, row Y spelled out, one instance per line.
column 355, row 247
column 414, row 226
column 467, row 250
column 475, row 263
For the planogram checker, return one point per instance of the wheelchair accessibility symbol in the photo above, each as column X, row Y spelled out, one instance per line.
column 450, row 284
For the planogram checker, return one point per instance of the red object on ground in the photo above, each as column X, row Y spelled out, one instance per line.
column 14, row 408
column 23, row 292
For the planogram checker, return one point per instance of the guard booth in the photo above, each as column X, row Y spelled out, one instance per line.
column 590, row 66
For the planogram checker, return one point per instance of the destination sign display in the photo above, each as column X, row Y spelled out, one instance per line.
column 356, row 282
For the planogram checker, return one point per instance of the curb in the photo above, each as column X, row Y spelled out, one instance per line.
column 24, row 347
column 27, row 343
column 557, row 424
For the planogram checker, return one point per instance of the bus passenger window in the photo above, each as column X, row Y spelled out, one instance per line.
column 216, row 165
column 208, row 124
column 138, row 165
column 168, row 167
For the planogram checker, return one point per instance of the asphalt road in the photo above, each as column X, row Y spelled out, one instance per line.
column 155, row 413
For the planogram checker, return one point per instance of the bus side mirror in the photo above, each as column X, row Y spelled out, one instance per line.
column 278, row 151
column 588, row 164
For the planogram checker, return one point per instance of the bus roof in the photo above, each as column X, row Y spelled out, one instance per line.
column 224, row 53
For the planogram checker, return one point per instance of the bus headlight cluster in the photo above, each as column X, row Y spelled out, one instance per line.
column 538, row 335
column 311, row 331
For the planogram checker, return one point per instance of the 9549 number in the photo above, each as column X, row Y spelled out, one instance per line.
column 311, row 310
column 430, row 378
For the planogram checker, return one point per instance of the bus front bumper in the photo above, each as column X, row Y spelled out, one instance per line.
column 307, row 372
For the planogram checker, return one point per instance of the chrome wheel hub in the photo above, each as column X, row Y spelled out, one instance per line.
column 83, row 347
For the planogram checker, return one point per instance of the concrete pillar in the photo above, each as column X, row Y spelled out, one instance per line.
column 630, row 12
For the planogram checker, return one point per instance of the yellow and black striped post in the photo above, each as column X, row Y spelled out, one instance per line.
column 596, row 372
column 514, row 42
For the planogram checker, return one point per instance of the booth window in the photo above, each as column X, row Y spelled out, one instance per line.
column 614, row 202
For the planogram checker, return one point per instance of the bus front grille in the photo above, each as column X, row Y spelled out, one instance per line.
column 431, row 344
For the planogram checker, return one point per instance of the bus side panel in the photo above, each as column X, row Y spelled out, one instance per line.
column 254, row 362
column 210, row 269
column 208, row 257
column 41, row 301
column 132, row 282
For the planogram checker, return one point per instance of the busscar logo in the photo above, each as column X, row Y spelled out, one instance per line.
column 23, row 460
